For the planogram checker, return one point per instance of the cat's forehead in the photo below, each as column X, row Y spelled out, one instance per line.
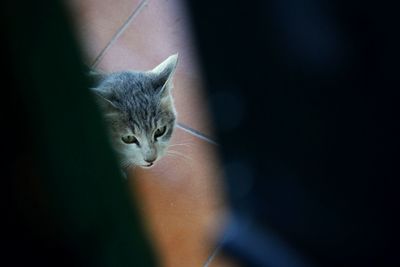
column 131, row 82
column 136, row 96
column 146, row 120
column 133, row 92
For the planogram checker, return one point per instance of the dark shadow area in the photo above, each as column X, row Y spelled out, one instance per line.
column 304, row 96
column 64, row 202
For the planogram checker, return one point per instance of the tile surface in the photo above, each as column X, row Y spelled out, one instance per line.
column 96, row 21
column 183, row 205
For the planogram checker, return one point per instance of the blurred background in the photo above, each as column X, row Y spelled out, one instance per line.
column 287, row 126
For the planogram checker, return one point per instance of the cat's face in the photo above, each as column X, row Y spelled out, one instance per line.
column 140, row 113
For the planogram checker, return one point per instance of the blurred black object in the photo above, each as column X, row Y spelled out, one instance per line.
column 63, row 201
column 305, row 101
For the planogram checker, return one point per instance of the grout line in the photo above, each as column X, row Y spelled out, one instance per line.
column 213, row 254
column 119, row 32
column 226, row 237
column 196, row 133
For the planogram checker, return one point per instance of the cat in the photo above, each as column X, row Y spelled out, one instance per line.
column 139, row 111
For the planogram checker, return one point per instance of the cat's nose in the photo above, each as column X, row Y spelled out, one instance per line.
column 150, row 160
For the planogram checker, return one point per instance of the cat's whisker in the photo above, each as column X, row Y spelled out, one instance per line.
column 183, row 144
column 124, row 166
column 187, row 143
column 125, row 163
column 177, row 153
column 179, row 157
column 171, row 154
column 130, row 166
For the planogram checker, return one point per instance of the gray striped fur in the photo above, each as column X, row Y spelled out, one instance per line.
column 138, row 103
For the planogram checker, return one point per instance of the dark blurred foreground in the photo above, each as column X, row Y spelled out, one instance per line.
column 305, row 101
column 63, row 202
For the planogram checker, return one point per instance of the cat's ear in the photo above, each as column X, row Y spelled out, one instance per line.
column 163, row 75
column 103, row 97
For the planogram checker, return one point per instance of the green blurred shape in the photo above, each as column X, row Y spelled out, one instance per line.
column 84, row 202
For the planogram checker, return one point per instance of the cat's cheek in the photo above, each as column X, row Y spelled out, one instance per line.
column 162, row 149
column 129, row 154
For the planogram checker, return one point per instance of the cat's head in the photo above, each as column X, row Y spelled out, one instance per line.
column 140, row 112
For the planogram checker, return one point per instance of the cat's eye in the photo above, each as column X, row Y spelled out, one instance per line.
column 160, row 132
column 129, row 139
